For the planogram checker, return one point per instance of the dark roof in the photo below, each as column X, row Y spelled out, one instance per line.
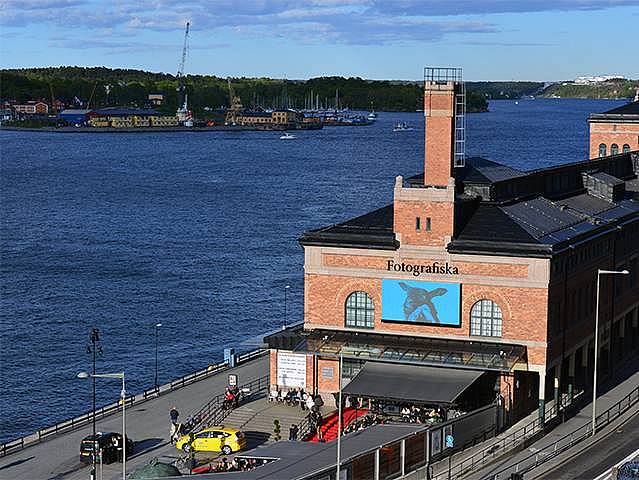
column 371, row 230
column 299, row 460
column 625, row 113
column 631, row 108
column 504, row 210
column 481, row 170
column 411, row 383
column 477, row 170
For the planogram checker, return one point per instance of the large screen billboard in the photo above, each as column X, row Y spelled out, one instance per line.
column 429, row 303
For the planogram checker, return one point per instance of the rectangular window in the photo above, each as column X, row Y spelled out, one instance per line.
column 418, row 223
column 428, row 224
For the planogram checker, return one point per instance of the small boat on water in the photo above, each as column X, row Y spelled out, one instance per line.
column 402, row 127
column 372, row 115
column 287, row 136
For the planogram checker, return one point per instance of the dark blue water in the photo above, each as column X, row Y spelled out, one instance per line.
column 197, row 231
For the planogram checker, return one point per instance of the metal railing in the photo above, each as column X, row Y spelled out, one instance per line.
column 567, row 441
column 43, row 434
column 505, row 444
column 214, row 413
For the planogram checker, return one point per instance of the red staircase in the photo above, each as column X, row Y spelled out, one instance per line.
column 329, row 427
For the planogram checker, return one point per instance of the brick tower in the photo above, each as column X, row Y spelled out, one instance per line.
column 425, row 216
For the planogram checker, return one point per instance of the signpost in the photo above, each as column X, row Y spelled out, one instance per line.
column 232, row 380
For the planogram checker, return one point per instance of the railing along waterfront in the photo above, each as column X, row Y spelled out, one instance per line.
column 65, row 426
column 505, row 444
column 550, row 451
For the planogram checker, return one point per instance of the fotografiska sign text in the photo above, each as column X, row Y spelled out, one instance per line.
column 417, row 270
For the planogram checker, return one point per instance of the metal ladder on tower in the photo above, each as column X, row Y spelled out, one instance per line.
column 460, row 126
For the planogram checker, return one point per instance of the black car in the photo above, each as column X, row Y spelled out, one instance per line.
column 109, row 443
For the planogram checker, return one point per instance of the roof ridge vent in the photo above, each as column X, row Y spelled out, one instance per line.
column 603, row 185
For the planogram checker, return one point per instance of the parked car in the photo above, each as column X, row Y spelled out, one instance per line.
column 108, row 443
column 213, row 439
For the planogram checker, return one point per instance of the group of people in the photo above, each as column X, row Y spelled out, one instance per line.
column 363, row 422
column 237, row 465
column 415, row 414
column 293, row 398
column 231, row 397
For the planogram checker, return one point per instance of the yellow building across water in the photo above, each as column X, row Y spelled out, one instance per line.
column 130, row 118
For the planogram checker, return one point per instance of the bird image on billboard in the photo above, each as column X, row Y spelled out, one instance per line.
column 431, row 303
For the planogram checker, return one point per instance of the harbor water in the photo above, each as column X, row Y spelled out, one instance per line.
column 198, row 232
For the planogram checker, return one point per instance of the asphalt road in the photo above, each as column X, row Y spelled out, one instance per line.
column 147, row 424
column 600, row 456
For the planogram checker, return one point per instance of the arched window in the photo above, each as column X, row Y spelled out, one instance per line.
column 602, row 149
column 360, row 311
column 614, row 149
column 625, row 148
column 485, row 319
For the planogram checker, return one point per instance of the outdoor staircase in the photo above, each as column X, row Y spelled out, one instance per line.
column 255, row 419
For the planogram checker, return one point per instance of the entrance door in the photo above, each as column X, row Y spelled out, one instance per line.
column 525, row 395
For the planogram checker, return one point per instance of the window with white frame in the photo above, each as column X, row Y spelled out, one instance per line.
column 485, row 319
column 360, row 311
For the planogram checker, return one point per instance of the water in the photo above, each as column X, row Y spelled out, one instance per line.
column 197, row 231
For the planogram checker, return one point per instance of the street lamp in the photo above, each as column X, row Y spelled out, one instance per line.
column 285, row 306
column 95, row 349
column 157, row 326
column 600, row 272
column 85, row 375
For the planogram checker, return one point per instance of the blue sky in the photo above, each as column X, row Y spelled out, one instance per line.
column 380, row 39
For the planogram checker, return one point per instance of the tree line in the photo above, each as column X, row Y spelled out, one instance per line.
column 119, row 87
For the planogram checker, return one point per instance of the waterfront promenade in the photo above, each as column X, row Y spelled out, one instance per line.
column 147, row 424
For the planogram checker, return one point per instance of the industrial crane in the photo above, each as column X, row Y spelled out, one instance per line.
column 184, row 115
column 235, row 108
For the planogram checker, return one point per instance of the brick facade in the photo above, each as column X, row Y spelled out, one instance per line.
column 613, row 133
column 546, row 299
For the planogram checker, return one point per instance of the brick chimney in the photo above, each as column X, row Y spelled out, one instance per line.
column 425, row 215
column 442, row 91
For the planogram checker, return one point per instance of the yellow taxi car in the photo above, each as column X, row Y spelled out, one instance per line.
column 213, row 439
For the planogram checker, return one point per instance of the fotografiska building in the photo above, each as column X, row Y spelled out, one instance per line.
column 475, row 266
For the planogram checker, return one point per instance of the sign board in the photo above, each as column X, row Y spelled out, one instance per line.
column 291, row 370
column 425, row 303
column 450, row 441
column 232, row 380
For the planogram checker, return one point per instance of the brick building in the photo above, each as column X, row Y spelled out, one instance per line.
column 615, row 131
column 32, row 107
column 475, row 266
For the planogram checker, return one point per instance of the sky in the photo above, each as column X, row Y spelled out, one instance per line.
column 537, row 40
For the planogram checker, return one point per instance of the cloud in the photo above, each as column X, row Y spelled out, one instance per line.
column 487, row 7
column 355, row 22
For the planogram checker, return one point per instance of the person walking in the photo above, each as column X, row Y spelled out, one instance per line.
column 292, row 433
column 310, row 403
column 173, row 429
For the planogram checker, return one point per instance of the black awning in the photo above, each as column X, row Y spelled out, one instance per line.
column 411, row 383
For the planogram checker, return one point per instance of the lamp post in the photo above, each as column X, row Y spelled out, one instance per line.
column 600, row 272
column 286, row 306
column 85, row 375
column 94, row 349
column 157, row 326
